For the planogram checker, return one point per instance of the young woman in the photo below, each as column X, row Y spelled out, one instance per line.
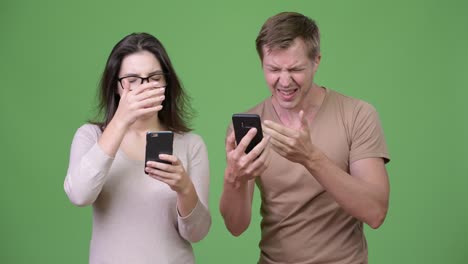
column 142, row 213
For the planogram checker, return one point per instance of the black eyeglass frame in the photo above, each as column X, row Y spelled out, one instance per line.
column 144, row 78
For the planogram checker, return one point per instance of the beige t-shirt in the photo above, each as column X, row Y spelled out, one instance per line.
column 301, row 222
column 135, row 218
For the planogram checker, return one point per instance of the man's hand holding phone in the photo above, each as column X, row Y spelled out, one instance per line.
column 241, row 166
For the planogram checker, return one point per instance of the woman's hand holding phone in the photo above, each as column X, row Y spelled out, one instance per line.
column 162, row 165
column 172, row 174
column 175, row 176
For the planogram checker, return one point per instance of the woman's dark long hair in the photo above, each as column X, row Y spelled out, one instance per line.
column 176, row 112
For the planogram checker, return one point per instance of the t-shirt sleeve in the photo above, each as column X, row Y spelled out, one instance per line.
column 196, row 225
column 88, row 167
column 367, row 137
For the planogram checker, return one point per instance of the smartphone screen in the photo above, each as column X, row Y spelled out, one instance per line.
column 158, row 143
column 242, row 124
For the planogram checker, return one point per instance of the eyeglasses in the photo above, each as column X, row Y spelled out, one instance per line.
column 131, row 82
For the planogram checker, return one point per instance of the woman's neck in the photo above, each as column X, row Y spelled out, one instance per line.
column 143, row 125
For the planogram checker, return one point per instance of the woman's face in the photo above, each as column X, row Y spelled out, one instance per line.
column 136, row 71
column 140, row 67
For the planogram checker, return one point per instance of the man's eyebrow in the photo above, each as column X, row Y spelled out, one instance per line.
column 271, row 66
column 298, row 66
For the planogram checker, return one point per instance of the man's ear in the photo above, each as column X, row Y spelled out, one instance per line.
column 316, row 61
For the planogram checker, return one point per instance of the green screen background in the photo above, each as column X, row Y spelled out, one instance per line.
column 407, row 58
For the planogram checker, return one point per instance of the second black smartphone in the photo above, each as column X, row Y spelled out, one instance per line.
column 242, row 124
column 158, row 143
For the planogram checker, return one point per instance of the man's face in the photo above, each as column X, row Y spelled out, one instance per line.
column 289, row 74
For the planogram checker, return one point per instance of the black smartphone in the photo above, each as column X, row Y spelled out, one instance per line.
column 242, row 124
column 158, row 143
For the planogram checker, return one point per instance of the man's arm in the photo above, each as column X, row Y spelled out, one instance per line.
column 363, row 193
column 236, row 205
column 239, row 181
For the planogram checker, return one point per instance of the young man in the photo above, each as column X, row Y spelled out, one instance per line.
column 321, row 165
